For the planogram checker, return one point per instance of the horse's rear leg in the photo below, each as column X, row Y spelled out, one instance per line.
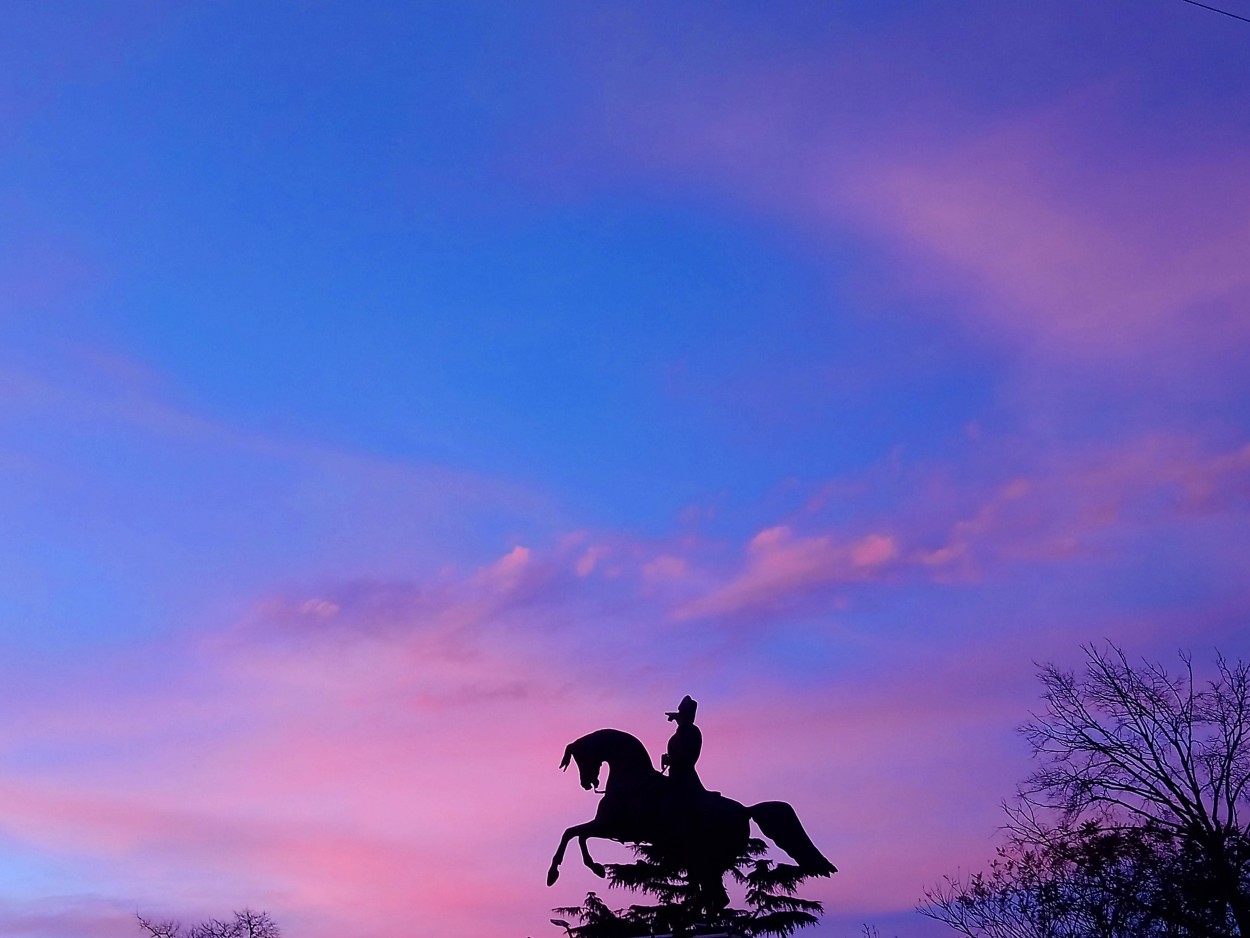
column 596, row 868
column 581, row 832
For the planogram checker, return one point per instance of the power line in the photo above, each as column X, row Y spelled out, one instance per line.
column 1217, row 10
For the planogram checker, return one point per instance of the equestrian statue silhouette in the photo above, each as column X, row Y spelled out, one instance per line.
column 702, row 831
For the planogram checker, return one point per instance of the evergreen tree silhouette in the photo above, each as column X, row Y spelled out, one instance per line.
column 678, row 908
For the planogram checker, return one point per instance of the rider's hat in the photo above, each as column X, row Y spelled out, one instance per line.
column 684, row 709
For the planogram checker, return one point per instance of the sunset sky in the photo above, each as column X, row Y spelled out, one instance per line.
column 391, row 393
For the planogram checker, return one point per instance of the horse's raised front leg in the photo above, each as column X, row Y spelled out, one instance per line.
column 581, row 832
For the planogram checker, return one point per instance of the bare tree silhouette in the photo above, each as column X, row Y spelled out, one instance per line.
column 245, row 924
column 1135, row 823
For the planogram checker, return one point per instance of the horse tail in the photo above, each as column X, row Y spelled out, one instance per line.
column 778, row 822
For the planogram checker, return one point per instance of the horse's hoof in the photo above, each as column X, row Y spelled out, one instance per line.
column 598, row 870
column 552, row 875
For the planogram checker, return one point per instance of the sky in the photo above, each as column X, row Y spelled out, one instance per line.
column 391, row 393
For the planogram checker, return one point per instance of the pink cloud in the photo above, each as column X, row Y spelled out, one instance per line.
column 507, row 571
column 665, row 567
column 781, row 565
column 873, row 551
column 1062, row 508
column 590, row 559
column 1059, row 509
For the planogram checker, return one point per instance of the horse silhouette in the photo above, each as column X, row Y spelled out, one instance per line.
column 702, row 831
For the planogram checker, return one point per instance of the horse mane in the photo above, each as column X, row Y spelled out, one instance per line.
column 610, row 745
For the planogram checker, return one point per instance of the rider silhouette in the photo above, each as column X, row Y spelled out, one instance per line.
column 684, row 747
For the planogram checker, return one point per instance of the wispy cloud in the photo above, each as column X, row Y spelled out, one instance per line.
column 782, row 566
column 1100, row 502
column 1066, row 249
column 1061, row 229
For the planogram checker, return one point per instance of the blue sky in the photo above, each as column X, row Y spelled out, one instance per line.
column 403, row 390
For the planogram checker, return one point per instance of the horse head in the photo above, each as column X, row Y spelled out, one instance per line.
column 588, row 766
